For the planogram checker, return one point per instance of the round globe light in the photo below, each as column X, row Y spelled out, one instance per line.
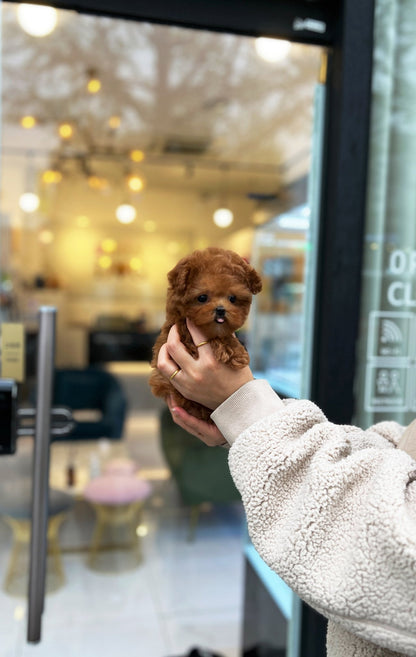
column 125, row 213
column 29, row 202
column 136, row 183
column 37, row 20
column 272, row 50
column 223, row 217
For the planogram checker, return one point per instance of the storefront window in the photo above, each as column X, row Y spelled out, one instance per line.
column 387, row 346
column 279, row 254
column 285, row 253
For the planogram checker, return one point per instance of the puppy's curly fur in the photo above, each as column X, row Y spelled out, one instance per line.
column 213, row 288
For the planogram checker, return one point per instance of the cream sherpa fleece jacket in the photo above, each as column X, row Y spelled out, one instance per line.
column 332, row 510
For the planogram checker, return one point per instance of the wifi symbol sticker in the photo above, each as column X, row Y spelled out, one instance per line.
column 392, row 337
column 390, row 332
column 391, row 350
column 389, row 335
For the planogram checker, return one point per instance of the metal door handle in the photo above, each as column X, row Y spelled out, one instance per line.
column 62, row 421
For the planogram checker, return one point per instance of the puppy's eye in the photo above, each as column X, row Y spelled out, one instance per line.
column 203, row 298
column 232, row 298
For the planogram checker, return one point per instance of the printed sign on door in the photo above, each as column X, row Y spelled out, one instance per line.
column 390, row 362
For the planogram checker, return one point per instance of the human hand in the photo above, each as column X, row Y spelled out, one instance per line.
column 208, row 433
column 204, row 380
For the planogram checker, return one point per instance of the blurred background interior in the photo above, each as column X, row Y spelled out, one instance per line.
column 120, row 142
column 125, row 146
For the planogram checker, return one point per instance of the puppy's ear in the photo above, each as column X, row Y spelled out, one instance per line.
column 254, row 282
column 178, row 277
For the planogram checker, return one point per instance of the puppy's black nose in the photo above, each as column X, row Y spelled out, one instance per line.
column 220, row 311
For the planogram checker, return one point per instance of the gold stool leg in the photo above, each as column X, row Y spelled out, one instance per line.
column 98, row 533
column 115, row 516
column 54, row 525
column 21, row 538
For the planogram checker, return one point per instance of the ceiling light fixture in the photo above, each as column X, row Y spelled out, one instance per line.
column 272, row 50
column 135, row 183
column 97, row 182
column 126, row 213
column 37, row 20
column 223, row 217
column 109, row 245
column 114, row 122
column 137, row 155
column 51, row 176
column 135, row 264
column 105, row 262
column 29, row 202
column 65, row 130
column 94, row 83
column 28, row 122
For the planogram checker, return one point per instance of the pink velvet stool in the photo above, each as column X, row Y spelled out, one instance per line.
column 117, row 500
column 122, row 466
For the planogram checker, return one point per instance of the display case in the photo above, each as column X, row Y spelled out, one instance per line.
column 277, row 337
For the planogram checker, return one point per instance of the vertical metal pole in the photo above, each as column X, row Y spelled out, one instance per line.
column 40, row 483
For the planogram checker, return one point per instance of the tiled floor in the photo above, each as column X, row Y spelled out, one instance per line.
column 182, row 594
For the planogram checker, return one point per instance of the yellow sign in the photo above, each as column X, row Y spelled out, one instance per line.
column 13, row 351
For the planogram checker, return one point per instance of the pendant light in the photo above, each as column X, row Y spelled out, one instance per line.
column 37, row 20
column 29, row 201
column 126, row 213
column 223, row 216
column 272, row 50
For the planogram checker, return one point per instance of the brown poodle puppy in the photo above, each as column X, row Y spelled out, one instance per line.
column 213, row 288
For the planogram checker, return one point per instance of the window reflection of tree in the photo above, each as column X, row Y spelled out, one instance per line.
column 161, row 81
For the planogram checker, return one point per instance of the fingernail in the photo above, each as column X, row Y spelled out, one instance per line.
column 174, row 409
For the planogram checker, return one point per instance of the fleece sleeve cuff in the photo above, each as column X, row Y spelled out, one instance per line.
column 250, row 403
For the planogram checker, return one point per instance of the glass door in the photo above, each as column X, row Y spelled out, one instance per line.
column 387, row 349
column 280, row 343
column 120, row 140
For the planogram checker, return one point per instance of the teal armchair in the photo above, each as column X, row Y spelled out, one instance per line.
column 201, row 473
column 92, row 389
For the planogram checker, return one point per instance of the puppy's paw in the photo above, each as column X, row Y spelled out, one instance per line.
column 231, row 353
column 239, row 359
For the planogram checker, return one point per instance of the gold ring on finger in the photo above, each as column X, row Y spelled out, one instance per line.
column 201, row 344
column 172, row 376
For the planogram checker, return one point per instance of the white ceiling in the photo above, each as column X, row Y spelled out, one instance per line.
column 207, row 111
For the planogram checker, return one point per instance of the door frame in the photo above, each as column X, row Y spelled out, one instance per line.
column 275, row 18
